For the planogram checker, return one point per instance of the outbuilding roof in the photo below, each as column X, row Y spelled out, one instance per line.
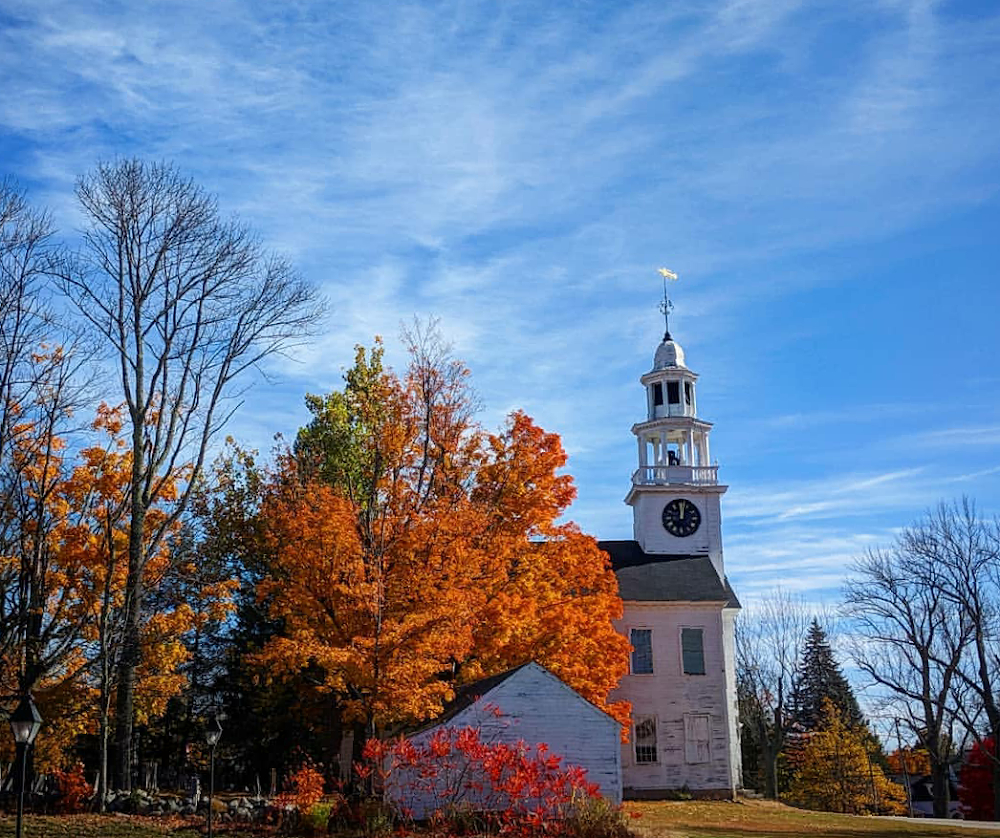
column 468, row 694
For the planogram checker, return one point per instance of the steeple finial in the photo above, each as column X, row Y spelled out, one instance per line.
column 665, row 305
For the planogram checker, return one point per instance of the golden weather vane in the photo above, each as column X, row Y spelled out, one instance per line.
column 665, row 305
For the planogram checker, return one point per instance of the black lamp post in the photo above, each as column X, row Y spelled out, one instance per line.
column 24, row 724
column 213, row 731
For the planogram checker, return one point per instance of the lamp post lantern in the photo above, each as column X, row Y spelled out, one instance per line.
column 213, row 732
column 24, row 724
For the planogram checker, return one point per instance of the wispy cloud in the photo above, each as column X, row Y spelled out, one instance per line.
column 978, row 435
column 519, row 170
column 853, row 495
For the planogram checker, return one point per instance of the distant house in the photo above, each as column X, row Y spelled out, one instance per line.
column 922, row 796
column 532, row 705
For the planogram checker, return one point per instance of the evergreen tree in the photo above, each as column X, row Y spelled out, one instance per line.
column 819, row 678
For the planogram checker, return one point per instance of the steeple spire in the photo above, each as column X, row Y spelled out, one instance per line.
column 666, row 306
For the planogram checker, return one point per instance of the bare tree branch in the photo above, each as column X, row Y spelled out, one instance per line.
column 186, row 303
column 910, row 641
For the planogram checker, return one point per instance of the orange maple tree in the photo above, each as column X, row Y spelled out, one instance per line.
column 77, row 537
column 42, row 630
column 411, row 550
column 98, row 553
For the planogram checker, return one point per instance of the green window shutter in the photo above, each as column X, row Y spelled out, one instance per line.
column 693, row 651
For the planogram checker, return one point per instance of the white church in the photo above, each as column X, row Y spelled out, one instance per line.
column 679, row 610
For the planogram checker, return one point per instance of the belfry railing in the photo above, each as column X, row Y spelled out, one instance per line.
column 661, row 475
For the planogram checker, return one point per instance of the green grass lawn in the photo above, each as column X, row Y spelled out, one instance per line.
column 749, row 819
column 93, row 826
column 763, row 819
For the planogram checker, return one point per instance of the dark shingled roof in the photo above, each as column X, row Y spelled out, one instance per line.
column 648, row 577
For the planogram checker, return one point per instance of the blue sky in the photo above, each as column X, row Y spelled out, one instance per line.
column 823, row 176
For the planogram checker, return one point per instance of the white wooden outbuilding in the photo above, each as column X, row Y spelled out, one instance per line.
column 526, row 704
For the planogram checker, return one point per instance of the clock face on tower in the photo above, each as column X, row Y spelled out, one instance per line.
column 681, row 518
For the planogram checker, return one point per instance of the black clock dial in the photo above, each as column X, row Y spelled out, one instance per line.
column 681, row 518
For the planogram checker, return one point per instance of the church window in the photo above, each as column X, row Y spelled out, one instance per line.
column 657, row 394
column 687, row 392
column 645, row 739
column 693, row 651
column 697, row 737
column 673, row 392
column 642, row 651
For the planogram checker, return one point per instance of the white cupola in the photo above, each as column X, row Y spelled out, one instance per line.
column 672, row 435
column 675, row 490
column 670, row 384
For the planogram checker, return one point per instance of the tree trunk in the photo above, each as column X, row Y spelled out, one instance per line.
column 940, row 790
column 131, row 645
column 104, row 658
column 102, row 769
column 770, row 756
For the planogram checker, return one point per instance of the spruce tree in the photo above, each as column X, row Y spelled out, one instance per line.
column 820, row 677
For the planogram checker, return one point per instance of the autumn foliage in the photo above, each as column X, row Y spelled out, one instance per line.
column 410, row 550
column 915, row 762
column 73, row 788
column 76, row 539
column 521, row 788
column 304, row 788
column 976, row 782
column 398, row 550
column 835, row 772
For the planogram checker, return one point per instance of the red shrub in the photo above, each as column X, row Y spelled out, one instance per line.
column 521, row 788
column 975, row 782
column 73, row 789
column 304, row 788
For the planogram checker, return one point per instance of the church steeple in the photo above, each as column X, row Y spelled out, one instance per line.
column 675, row 489
column 672, row 435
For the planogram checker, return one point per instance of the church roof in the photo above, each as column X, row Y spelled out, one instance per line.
column 648, row 577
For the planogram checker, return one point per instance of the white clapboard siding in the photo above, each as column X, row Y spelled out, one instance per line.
column 533, row 706
column 683, row 705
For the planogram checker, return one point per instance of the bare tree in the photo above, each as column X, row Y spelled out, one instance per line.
column 768, row 644
column 186, row 302
column 910, row 641
column 40, row 387
column 25, row 251
column 34, row 476
column 25, row 237
column 963, row 548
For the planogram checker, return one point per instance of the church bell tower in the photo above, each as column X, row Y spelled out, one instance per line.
column 678, row 609
column 675, row 494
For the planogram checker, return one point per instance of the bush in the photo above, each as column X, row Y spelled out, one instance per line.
column 304, row 788
column 597, row 817
column 293, row 808
column 475, row 786
column 73, row 789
